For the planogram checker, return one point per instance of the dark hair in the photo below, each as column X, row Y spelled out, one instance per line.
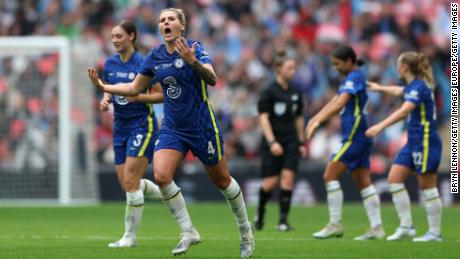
column 344, row 53
column 419, row 66
column 280, row 57
column 129, row 28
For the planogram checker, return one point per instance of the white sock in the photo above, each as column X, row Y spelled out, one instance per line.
column 401, row 201
column 151, row 190
column 334, row 201
column 371, row 203
column 173, row 198
column 235, row 199
column 133, row 213
column 433, row 207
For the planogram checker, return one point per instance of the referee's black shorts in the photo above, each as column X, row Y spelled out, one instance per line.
column 272, row 165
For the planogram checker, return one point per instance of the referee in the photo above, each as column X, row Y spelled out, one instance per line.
column 280, row 114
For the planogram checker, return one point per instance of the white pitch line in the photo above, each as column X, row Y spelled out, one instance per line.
column 149, row 238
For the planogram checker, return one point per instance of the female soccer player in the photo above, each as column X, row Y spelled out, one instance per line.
column 280, row 115
column 422, row 153
column 184, row 70
column 135, row 129
column 354, row 153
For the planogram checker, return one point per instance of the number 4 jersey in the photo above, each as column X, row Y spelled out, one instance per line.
column 422, row 153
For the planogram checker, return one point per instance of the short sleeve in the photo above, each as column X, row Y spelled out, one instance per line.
column 413, row 94
column 300, row 105
column 265, row 102
column 147, row 68
column 202, row 55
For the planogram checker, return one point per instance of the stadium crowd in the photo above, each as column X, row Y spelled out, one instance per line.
column 242, row 37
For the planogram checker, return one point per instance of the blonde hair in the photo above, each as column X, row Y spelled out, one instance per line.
column 419, row 66
column 180, row 15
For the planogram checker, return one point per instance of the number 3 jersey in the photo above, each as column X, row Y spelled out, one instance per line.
column 135, row 127
column 189, row 122
column 128, row 116
column 186, row 106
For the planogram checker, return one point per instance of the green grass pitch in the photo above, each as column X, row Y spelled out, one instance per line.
column 83, row 232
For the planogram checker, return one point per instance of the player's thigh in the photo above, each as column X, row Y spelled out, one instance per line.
column 269, row 183
column 287, row 179
column 219, row 174
column 165, row 162
column 334, row 171
column 361, row 177
column 133, row 172
column 427, row 180
column 170, row 150
column 399, row 173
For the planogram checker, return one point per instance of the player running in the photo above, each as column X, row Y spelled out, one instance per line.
column 422, row 152
column 355, row 150
column 134, row 132
column 184, row 70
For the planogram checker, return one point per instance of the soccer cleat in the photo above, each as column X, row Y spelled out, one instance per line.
column 428, row 237
column 124, row 242
column 284, row 227
column 187, row 239
column 402, row 233
column 247, row 243
column 331, row 230
column 373, row 233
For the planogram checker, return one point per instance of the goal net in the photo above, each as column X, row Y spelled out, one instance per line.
column 46, row 124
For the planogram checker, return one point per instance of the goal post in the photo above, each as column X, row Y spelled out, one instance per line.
column 39, row 164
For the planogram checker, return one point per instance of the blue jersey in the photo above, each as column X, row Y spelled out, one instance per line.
column 353, row 115
column 421, row 123
column 128, row 115
column 187, row 110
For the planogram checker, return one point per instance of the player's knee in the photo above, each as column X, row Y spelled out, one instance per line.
column 269, row 184
column 162, row 179
column 130, row 184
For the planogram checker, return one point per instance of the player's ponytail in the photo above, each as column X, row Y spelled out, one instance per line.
column 419, row 66
column 130, row 28
column 344, row 53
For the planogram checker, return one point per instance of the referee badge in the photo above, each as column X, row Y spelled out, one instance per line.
column 280, row 108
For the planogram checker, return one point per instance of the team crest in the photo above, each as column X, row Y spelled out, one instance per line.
column 179, row 63
column 121, row 100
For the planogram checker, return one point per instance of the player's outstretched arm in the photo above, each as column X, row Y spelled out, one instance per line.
column 396, row 116
column 155, row 96
column 386, row 89
column 333, row 107
column 128, row 89
column 204, row 71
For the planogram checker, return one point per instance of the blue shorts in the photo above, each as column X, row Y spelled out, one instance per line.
column 208, row 145
column 419, row 157
column 355, row 154
column 137, row 143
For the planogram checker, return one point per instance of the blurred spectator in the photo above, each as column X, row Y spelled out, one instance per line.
column 241, row 36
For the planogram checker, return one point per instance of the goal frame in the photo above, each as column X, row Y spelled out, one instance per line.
column 62, row 44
